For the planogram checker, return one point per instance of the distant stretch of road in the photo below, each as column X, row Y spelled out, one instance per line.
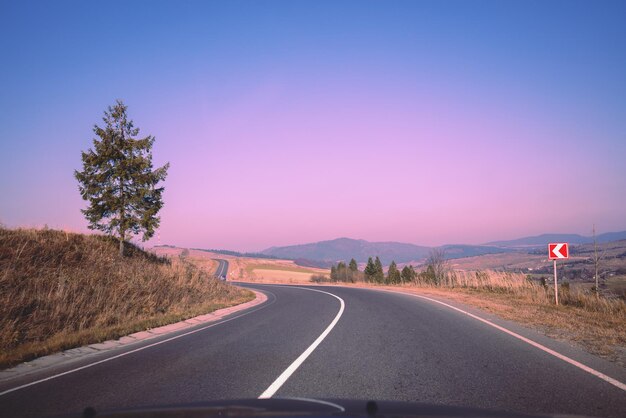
column 333, row 342
column 222, row 268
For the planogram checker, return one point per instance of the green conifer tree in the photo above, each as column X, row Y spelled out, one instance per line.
column 118, row 179
column 408, row 274
column 354, row 267
column 333, row 273
column 393, row 274
column 370, row 270
column 342, row 272
column 379, row 274
column 353, row 271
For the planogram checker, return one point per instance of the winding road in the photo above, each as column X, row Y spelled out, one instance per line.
column 335, row 342
column 222, row 268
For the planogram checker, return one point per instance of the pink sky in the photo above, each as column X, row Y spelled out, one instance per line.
column 287, row 125
column 281, row 167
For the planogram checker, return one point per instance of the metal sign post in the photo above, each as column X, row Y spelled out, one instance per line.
column 556, row 286
column 557, row 251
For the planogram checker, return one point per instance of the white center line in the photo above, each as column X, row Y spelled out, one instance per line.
column 271, row 390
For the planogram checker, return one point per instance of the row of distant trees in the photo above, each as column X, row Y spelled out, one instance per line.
column 434, row 272
column 373, row 273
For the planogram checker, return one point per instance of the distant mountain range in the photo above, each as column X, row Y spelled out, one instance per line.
column 347, row 248
column 324, row 253
column 544, row 239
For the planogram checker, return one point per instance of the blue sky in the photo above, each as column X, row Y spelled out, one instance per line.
column 426, row 122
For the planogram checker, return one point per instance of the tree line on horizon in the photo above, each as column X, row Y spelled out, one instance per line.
column 373, row 272
column 435, row 270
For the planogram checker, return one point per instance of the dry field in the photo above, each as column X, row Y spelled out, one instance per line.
column 62, row 290
column 617, row 284
column 200, row 259
column 281, row 272
column 511, row 261
column 247, row 268
column 278, row 276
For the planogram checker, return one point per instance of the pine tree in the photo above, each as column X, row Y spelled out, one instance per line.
column 408, row 274
column 353, row 271
column 342, row 272
column 333, row 273
column 393, row 275
column 370, row 270
column 354, row 267
column 118, row 179
column 379, row 274
column 429, row 275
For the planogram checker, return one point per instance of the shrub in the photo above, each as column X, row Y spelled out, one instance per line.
column 319, row 278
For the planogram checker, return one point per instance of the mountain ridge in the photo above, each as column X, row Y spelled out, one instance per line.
column 544, row 239
column 344, row 249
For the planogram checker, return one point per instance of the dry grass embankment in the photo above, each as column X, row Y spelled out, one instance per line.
column 517, row 284
column 60, row 290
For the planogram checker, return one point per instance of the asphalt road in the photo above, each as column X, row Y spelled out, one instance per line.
column 383, row 346
column 222, row 268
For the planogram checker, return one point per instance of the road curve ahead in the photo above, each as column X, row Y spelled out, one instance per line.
column 332, row 342
column 222, row 268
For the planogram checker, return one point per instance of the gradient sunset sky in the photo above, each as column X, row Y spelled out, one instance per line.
column 297, row 121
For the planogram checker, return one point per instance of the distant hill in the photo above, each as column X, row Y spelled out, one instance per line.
column 610, row 237
column 544, row 239
column 324, row 253
column 347, row 248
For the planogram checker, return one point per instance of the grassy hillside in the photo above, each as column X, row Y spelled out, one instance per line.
column 60, row 290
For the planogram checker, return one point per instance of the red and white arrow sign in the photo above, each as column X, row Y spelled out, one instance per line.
column 558, row 250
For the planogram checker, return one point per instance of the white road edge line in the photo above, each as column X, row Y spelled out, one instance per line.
column 273, row 388
column 556, row 354
column 134, row 351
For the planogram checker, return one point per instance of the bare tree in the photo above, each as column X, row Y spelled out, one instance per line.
column 438, row 264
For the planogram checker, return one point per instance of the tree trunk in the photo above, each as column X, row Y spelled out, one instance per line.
column 122, row 238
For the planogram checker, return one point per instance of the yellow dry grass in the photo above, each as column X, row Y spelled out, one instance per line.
column 279, row 276
column 248, row 268
column 62, row 290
